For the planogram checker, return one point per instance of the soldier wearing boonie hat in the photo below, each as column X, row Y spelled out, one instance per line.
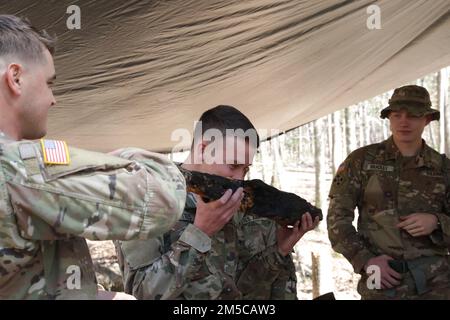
column 401, row 188
column 412, row 98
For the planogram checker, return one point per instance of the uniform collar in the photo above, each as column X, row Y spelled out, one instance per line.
column 423, row 158
column 191, row 202
column 391, row 150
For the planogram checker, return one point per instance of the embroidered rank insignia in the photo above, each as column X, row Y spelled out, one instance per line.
column 55, row 152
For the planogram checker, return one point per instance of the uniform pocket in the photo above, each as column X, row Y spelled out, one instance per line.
column 378, row 195
column 207, row 285
column 384, row 233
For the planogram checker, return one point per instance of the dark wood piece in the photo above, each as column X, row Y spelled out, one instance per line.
column 260, row 199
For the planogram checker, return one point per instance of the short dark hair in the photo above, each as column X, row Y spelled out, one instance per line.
column 224, row 117
column 19, row 38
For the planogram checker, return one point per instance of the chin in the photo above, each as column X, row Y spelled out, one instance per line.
column 37, row 135
column 407, row 140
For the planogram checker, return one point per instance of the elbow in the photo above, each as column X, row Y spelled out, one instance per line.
column 167, row 198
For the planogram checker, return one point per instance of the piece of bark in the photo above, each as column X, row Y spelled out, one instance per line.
column 260, row 199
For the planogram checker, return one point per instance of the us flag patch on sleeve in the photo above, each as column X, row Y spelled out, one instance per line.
column 55, row 152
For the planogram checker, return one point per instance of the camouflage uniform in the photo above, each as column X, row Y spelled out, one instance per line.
column 47, row 210
column 262, row 272
column 385, row 185
column 240, row 261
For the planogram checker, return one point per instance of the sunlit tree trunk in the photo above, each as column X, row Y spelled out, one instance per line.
column 442, row 98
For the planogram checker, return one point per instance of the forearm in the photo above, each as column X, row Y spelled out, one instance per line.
column 110, row 198
column 343, row 236
column 441, row 236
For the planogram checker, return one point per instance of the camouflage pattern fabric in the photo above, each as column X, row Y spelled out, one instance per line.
column 240, row 261
column 384, row 185
column 262, row 272
column 47, row 210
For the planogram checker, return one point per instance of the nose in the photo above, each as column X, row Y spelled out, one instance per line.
column 53, row 102
column 403, row 119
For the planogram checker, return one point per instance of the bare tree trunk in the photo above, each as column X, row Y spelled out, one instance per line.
column 296, row 146
column 281, row 142
column 311, row 144
column 339, row 143
column 432, row 140
column 322, row 279
column 348, row 132
column 442, row 96
column 330, row 136
column 265, row 157
column 277, row 165
column 385, row 129
column 353, row 134
column 367, row 123
column 299, row 144
column 447, row 109
column 317, row 162
column 333, row 142
column 360, row 124
column 315, row 275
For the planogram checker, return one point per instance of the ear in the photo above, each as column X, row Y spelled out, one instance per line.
column 13, row 78
column 202, row 146
column 197, row 152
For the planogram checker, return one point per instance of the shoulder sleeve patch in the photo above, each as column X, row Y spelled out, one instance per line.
column 55, row 152
column 341, row 168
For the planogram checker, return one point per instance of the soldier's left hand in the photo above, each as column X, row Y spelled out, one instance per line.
column 113, row 295
column 288, row 237
column 418, row 224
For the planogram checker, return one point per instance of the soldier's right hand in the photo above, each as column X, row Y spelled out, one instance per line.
column 212, row 216
column 389, row 277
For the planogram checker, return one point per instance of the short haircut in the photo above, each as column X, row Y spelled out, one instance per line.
column 224, row 118
column 18, row 38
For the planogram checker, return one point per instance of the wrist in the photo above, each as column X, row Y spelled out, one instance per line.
column 274, row 258
column 284, row 250
column 196, row 238
column 437, row 225
column 203, row 228
column 284, row 253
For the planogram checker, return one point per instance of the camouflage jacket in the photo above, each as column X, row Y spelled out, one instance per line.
column 240, row 261
column 47, row 210
column 384, row 185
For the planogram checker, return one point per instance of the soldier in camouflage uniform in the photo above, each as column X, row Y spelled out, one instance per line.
column 213, row 253
column 48, row 203
column 401, row 189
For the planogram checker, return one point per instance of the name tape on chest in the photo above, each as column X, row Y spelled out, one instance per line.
column 432, row 174
column 55, row 152
column 380, row 167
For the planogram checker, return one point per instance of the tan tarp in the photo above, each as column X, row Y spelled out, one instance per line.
column 137, row 70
